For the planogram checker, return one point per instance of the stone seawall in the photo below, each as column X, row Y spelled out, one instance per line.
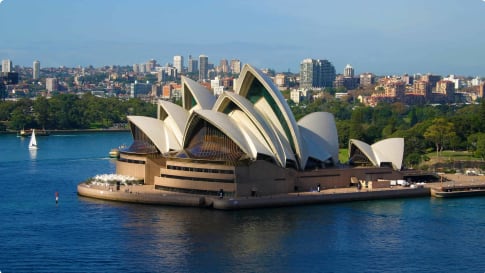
column 140, row 194
column 317, row 198
column 148, row 195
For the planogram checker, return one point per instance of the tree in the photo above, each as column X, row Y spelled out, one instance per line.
column 440, row 133
column 3, row 91
column 480, row 151
column 41, row 108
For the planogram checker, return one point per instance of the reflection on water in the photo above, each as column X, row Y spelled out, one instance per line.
column 33, row 154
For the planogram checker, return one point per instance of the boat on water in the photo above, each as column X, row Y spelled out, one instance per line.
column 26, row 133
column 115, row 152
column 460, row 191
column 33, row 141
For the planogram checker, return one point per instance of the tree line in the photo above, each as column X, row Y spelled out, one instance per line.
column 69, row 111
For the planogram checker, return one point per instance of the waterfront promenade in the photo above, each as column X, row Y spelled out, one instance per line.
column 146, row 194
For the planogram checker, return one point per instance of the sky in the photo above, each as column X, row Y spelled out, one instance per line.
column 385, row 37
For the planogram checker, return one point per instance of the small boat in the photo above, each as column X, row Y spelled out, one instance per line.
column 33, row 141
column 465, row 191
column 115, row 152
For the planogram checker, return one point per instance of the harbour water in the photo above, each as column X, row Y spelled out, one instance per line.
column 86, row 235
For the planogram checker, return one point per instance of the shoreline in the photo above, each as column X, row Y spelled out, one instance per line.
column 59, row 131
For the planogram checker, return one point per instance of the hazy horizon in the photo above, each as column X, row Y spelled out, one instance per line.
column 383, row 37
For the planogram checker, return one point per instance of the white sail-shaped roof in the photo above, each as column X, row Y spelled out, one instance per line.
column 267, row 132
column 174, row 117
column 196, row 96
column 225, row 124
column 323, row 134
column 387, row 150
column 161, row 135
column 390, row 150
column 254, row 138
column 267, row 91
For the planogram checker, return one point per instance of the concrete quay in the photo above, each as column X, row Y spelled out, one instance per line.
column 146, row 194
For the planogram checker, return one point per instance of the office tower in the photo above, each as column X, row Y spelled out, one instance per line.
column 178, row 63
column 203, row 67
column 192, row 65
column 143, row 68
column 136, row 68
column 224, row 66
column 6, row 66
column 327, row 73
column 150, row 65
column 235, row 66
column 51, row 84
column 349, row 71
column 316, row 73
column 36, row 70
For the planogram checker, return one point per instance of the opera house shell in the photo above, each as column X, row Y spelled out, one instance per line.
column 385, row 152
column 246, row 143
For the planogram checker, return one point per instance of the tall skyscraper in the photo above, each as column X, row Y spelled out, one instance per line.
column 349, row 71
column 193, row 65
column 203, row 67
column 36, row 70
column 316, row 73
column 178, row 63
column 7, row 66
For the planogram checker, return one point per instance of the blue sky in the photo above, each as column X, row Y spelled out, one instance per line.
column 380, row 36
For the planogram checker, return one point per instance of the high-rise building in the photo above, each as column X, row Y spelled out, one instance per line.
column 178, row 63
column 7, row 66
column 367, row 79
column 203, row 67
column 235, row 66
column 224, row 66
column 422, row 88
column 316, row 73
column 193, row 65
column 481, row 90
column 136, row 68
column 431, row 79
column 36, row 70
column 445, row 87
column 150, row 65
column 51, row 84
column 349, row 71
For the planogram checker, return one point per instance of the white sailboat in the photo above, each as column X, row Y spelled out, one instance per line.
column 33, row 141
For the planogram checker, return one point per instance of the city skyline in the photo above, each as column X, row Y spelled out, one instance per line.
column 440, row 37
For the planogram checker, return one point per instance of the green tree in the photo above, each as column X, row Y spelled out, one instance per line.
column 440, row 133
column 41, row 110
column 3, row 91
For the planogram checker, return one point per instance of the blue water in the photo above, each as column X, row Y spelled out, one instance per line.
column 86, row 235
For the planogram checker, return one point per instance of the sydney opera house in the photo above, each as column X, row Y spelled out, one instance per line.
column 246, row 143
